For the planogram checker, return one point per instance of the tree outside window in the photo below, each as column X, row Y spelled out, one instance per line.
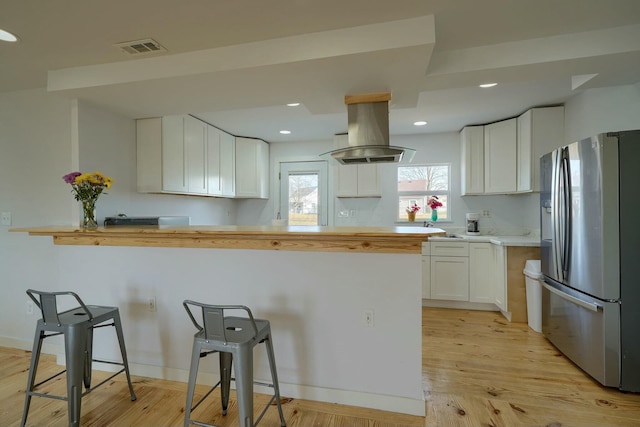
column 416, row 183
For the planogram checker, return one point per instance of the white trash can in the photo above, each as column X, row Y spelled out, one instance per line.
column 533, row 278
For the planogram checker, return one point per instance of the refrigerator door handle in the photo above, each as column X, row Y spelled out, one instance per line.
column 566, row 212
column 588, row 305
column 556, row 216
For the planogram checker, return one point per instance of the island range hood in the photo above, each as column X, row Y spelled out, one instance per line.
column 368, row 133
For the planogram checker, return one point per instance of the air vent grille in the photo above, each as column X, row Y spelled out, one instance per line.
column 140, row 47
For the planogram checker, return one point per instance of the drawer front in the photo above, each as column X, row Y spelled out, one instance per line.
column 449, row 248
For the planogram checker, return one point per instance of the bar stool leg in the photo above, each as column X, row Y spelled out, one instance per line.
column 123, row 351
column 191, row 385
column 244, row 385
column 75, row 341
column 226, row 360
column 88, row 361
column 35, row 358
column 274, row 377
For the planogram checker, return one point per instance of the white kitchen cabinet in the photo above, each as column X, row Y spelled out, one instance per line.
column 426, row 270
column 161, row 155
column 195, row 141
column 472, row 160
column 174, row 156
column 500, row 276
column 500, row 157
column 357, row 181
column 252, row 168
column 228, row 164
column 481, row 282
column 171, row 155
column 449, row 270
column 540, row 131
column 220, row 162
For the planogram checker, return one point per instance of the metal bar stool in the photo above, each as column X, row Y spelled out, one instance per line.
column 234, row 339
column 77, row 326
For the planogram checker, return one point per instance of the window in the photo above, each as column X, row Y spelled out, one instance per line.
column 417, row 183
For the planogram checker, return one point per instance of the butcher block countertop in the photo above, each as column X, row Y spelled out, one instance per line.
column 401, row 240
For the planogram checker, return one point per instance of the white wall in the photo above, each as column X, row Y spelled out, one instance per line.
column 41, row 135
column 35, row 152
column 107, row 142
column 600, row 110
column 515, row 213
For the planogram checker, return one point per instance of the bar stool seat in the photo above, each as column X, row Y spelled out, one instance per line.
column 76, row 325
column 234, row 338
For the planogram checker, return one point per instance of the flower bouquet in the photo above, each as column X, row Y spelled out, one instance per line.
column 434, row 203
column 411, row 212
column 86, row 188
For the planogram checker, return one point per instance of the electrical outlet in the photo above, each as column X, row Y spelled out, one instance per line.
column 368, row 318
column 5, row 218
column 30, row 308
column 151, row 304
column 486, row 213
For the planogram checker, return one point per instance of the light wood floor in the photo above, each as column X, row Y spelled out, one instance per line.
column 478, row 370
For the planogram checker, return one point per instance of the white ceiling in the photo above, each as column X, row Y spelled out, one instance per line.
column 236, row 63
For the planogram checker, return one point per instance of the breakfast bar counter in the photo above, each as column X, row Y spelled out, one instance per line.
column 345, row 303
column 405, row 240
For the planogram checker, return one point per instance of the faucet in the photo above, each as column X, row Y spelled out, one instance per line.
column 427, row 224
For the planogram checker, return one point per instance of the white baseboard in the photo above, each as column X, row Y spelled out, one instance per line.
column 462, row 305
column 398, row 404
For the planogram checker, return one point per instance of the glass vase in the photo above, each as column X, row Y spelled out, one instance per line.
column 411, row 216
column 434, row 215
column 88, row 219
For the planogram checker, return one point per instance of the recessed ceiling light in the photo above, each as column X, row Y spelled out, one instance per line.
column 7, row 36
column 488, row 85
column 293, row 104
column 420, row 123
column 285, row 132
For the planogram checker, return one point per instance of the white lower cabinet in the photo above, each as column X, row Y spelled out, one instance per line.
column 450, row 278
column 472, row 272
column 449, row 270
column 500, row 276
column 481, row 287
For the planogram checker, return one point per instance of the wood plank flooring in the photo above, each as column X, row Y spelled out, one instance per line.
column 478, row 370
column 481, row 370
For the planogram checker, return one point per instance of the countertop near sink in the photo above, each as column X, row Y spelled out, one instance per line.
column 529, row 240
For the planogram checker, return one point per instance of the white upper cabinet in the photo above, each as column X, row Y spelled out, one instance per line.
column 540, row 131
column 472, row 161
column 252, row 168
column 161, row 155
column 221, row 163
column 195, row 141
column 500, row 156
column 357, row 180
column 184, row 155
column 227, row 165
column 504, row 157
column 174, row 156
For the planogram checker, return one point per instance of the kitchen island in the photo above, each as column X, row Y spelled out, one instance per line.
column 317, row 286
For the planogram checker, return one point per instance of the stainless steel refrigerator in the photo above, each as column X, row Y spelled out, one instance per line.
column 590, row 250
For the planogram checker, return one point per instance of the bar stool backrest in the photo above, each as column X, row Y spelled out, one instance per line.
column 47, row 302
column 213, row 320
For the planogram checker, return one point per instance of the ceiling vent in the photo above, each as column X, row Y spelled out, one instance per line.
column 140, row 47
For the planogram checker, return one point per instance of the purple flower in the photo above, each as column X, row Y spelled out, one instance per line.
column 70, row 178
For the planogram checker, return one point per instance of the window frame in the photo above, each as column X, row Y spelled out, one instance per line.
column 423, row 194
